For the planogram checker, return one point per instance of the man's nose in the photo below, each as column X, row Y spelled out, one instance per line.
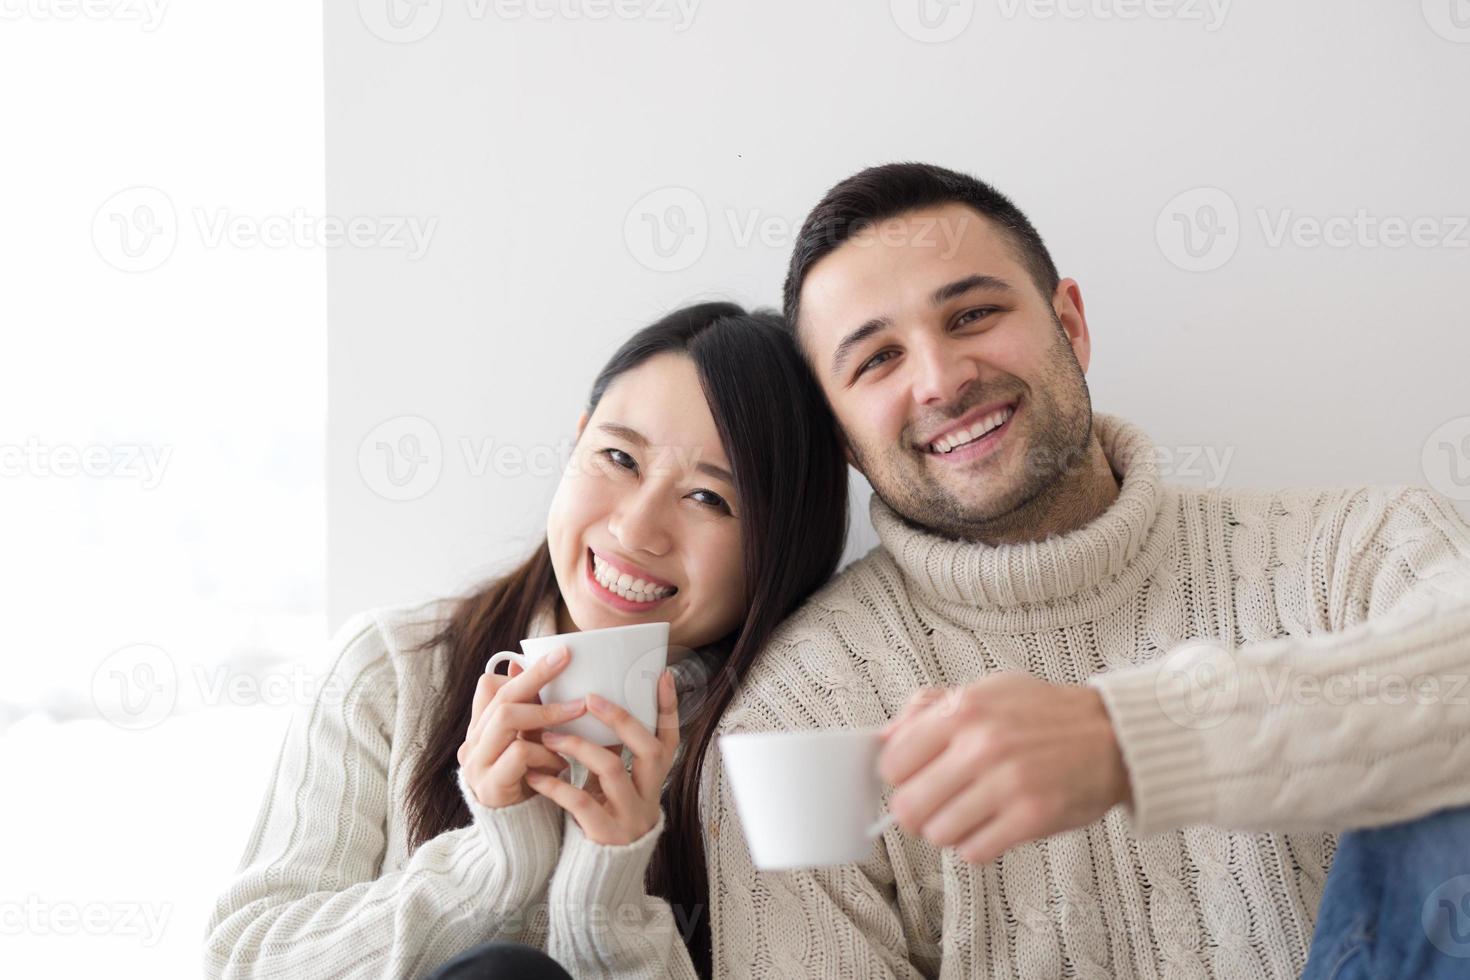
column 940, row 375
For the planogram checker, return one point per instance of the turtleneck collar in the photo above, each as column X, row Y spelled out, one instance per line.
column 1086, row 565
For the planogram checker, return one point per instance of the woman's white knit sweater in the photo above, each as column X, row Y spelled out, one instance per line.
column 1334, row 697
column 326, row 887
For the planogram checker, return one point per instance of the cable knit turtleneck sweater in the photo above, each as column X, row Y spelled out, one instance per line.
column 1244, row 756
column 1332, row 695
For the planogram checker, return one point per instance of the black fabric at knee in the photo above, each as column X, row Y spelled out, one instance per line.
column 501, row 961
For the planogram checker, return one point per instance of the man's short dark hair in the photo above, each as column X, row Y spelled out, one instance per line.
column 874, row 195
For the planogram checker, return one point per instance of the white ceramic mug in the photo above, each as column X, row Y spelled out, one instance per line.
column 806, row 799
column 621, row 663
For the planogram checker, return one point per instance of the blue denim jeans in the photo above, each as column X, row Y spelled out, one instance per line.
column 1397, row 903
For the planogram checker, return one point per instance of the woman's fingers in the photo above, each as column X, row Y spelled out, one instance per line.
column 590, row 814
column 612, row 778
column 519, row 685
column 485, row 689
column 526, row 685
column 505, row 720
column 668, row 713
column 521, row 757
column 653, row 755
column 624, row 725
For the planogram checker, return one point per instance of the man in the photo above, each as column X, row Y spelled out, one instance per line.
column 1123, row 720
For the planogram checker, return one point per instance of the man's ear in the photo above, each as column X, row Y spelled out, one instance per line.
column 1067, row 303
column 581, row 425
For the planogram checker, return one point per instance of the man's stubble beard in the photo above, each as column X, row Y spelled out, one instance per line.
column 1058, row 415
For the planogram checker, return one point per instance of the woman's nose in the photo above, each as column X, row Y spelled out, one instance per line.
column 641, row 524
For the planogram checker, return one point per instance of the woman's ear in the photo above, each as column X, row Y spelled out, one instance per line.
column 581, row 424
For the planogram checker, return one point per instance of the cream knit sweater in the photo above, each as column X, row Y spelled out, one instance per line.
column 326, row 887
column 1325, row 606
column 1323, row 603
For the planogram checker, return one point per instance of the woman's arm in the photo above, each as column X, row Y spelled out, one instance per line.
column 603, row 923
column 309, row 901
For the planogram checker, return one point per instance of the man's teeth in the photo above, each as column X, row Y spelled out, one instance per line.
column 630, row 588
column 961, row 437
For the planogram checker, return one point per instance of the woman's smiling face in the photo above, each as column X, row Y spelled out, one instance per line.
column 645, row 524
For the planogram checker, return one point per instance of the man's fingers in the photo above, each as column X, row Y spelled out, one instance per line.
column 931, row 789
column 1009, row 828
column 918, row 702
column 963, row 814
column 913, row 744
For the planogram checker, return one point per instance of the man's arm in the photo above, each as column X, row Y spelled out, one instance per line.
column 1365, row 726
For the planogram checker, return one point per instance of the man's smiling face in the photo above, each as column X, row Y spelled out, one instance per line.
column 958, row 385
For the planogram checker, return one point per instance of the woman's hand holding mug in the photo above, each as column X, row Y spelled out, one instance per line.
column 616, row 806
column 501, row 747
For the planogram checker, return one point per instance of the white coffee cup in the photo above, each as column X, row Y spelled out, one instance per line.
column 806, row 799
column 620, row 663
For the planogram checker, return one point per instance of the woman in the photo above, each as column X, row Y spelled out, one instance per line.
column 415, row 819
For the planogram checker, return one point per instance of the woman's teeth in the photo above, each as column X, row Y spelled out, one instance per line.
column 630, row 588
column 962, row 437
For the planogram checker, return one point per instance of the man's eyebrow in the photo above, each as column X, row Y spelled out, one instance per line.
column 857, row 337
column 959, row 287
column 638, row 439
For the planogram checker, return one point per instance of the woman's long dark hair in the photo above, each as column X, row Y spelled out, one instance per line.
column 791, row 482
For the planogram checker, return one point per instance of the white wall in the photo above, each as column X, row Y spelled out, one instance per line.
column 538, row 135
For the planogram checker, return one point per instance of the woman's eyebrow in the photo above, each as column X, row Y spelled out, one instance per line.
column 624, row 432
column 718, row 472
column 638, row 439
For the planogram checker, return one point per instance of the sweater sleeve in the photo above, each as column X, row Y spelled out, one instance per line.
column 309, row 899
column 602, row 922
column 1365, row 725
